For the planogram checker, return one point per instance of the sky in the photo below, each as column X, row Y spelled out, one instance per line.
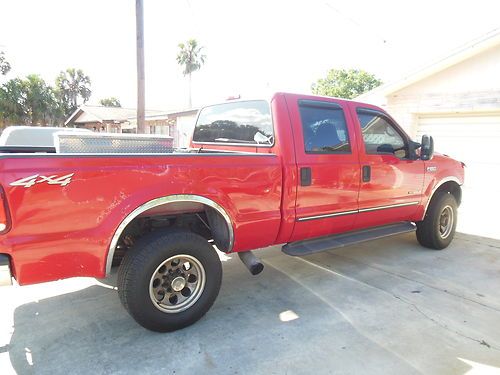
column 252, row 47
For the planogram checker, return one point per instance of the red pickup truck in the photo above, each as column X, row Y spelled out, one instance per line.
column 311, row 173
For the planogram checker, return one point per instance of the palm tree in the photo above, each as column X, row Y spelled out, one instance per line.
column 191, row 59
column 72, row 85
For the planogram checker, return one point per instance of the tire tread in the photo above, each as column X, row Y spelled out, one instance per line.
column 137, row 259
column 426, row 232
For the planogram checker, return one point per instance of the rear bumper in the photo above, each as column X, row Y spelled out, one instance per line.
column 5, row 274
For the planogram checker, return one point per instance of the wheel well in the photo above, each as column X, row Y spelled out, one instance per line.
column 196, row 214
column 450, row 187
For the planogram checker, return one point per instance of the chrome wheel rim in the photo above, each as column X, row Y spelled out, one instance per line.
column 445, row 223
column 177, row 283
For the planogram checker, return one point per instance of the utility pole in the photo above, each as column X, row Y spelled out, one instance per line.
column 141, row 100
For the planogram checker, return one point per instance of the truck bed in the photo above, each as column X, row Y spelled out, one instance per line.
column 67, row 207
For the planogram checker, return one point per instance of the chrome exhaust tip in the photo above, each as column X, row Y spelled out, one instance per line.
column 251, row 262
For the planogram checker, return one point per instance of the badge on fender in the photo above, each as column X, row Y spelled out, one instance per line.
column 39, row 179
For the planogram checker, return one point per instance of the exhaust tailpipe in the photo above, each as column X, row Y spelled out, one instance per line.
column 253, row 263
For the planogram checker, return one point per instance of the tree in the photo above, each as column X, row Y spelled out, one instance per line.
column 72, row 90
column 345, row 83
column 191, row 59
column 110, row 102
column 12, row 99
column 40, row 104
column 32, row 101
column 4, row 64
column 28, row 101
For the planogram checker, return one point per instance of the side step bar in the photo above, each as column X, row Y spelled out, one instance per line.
column 317, row 245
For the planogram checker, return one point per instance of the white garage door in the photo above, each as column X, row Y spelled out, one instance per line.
column 475, row 140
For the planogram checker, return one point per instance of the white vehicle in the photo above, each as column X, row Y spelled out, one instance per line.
column 34, row 136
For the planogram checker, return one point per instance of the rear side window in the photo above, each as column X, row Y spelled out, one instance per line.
column 324, row 127
column 247, row 122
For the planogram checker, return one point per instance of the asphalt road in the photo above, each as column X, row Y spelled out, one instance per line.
column 383, row 307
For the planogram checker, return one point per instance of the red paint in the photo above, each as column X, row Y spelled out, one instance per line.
column 393, row 181
column 335, row 181
column 65, row 231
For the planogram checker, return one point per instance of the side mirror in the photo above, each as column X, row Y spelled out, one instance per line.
column 427, row 147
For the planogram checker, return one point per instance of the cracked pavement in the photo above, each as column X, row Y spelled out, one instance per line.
column 387, row 306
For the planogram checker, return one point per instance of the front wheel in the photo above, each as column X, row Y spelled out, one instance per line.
column 169, row 280
column 437, row 229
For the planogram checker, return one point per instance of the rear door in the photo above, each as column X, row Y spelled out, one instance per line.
column 391, row 182
column 328, row 167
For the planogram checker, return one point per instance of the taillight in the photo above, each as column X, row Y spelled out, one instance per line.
column 4, row 213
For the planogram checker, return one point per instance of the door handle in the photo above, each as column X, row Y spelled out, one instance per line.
column 305, row 176
column 367, row 173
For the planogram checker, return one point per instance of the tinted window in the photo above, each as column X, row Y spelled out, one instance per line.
column 379, row 135
column 324, row 128
column 235, row 122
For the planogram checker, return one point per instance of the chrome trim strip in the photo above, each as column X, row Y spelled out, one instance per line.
column 307, row 218
column 388, row 206
column 158, row 202
column 437, row 186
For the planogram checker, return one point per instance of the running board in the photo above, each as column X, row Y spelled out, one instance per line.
column 317, row 245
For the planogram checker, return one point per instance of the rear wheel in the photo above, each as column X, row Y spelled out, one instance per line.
column 169, row 280
column 437, row 229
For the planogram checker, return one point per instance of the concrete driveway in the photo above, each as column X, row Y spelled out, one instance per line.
column 383, row 307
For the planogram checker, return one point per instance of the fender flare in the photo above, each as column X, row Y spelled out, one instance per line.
column 437, row 186
column 161, row 201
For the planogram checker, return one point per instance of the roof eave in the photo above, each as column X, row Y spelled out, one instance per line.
column 477, row 46
column 74, row 114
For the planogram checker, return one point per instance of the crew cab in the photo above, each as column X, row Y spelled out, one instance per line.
column 309, row 173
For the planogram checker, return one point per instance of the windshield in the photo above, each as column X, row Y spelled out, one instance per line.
column 247, row 122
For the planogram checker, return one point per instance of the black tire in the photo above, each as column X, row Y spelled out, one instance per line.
column 430, row 232
column 135, row 278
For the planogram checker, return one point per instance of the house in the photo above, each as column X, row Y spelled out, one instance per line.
column 177, row 124
column 457, row 101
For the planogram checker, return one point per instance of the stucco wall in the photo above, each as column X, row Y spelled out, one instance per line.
column 101, row 127
column 185, row 127
column 470, row 86
column 478, row 73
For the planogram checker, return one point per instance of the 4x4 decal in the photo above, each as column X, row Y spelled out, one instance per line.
column 39, row 179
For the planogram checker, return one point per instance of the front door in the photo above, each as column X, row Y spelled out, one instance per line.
column 328, row 168
column 391, row 182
